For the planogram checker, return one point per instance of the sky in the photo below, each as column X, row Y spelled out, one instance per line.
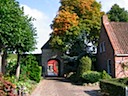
column 44, row 11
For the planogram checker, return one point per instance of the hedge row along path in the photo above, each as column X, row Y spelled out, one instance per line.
column 61, row 87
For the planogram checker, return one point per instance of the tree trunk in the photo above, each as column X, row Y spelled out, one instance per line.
column 4, row 61
column 0, row 63
column 18, row 66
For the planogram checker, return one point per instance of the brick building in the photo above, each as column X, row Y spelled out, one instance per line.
column 112, row 52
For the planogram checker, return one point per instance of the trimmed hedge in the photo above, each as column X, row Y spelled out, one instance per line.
column 112, row 88
column 91, row 76
column 85, row 65
column 105, row 75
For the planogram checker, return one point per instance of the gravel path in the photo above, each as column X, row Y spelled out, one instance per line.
column 60, row 87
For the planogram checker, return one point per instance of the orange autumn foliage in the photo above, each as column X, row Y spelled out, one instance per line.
column 64, row 21
column 85, row 4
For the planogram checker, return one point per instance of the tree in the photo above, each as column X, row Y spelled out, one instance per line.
column 17, row 33
column 9, row 18
column 84, row 66
column 65, row 23
column 118, row 14
column 77, row 20
column 27, row 41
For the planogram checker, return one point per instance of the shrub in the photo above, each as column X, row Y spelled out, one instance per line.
column 35, row 73
column 72, row 77
column 84, row 66
column 6, row 87
column 122, row 80
column 30, row 69
column 11, row 67
column 105, row 75
column 26, row 84
column 91, row 76
column 110, row 88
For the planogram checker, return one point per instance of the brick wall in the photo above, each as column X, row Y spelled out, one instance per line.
column 121, row 71
column 107, row 55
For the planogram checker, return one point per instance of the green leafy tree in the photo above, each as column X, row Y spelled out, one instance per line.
column 9, row 26
column 76, row 20
column 17, row 33
column 118, row 14
column 27, row 41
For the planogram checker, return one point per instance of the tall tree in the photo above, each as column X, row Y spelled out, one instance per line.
column 17, row 33
column 77, row 20
column 118, row 14
column 26, row 41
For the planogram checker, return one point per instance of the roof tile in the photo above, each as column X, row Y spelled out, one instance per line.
column 118, row 35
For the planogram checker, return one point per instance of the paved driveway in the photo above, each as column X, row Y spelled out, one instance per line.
column 60, row 87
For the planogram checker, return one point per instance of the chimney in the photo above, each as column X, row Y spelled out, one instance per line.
column 105, row 20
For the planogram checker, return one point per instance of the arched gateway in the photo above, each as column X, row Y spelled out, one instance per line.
column 53, row 67
column 52, row 63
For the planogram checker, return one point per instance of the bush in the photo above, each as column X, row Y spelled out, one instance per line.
column 6, row 87
column 105, row 75
column 91, row 76
column 35, row 73
column 84, row 66
column 30, row 69
column 112, row 88
column 121, row 80
column 11, row 67
column 26, row 84
column 72, row 77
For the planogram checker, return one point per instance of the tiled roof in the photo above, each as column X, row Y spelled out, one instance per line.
column 118, row 35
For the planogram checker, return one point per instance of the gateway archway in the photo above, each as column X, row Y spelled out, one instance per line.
column 53, row 67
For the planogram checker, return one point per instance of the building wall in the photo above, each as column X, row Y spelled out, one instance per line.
column 121, row 70
column 48, row 54
column 108, row 54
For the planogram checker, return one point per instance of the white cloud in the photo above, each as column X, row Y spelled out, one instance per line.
column 106, row 5
column 42, row 25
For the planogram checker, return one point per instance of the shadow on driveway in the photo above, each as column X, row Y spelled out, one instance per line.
column 93, row 93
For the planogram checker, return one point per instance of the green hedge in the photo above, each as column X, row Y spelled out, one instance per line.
column 112, row 88
column 84, row 65
column 30, row 69
column 35, row 73
column 91, row 76
column 105, row 75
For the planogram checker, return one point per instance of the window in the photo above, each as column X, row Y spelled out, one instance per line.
column 109, row 66
column 102, row 47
